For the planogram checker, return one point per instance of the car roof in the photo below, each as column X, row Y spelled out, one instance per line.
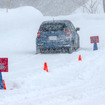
column 56, row 21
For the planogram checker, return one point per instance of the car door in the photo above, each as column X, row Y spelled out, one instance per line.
column 75, row 35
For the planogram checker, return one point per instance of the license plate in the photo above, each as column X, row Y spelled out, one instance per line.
column 52, row 37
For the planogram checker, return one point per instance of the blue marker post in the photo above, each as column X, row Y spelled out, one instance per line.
column 95, row 40
column 1, row 82
column 3, row 68
column 95, row 46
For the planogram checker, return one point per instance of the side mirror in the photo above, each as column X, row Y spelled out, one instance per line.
column 77, row 29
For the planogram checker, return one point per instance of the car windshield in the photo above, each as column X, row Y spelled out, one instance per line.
column 52, row 27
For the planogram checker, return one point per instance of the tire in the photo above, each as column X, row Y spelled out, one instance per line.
column 70, row 50
column 42, row 51
column 63, row 50
column 37, row 50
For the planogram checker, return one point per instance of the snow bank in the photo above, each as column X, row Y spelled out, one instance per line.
column 18, row 27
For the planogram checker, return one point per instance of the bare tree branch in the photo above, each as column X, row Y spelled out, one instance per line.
column 91, row 7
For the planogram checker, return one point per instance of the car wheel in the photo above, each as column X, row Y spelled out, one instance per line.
column 42, row 51
column 70, row 50
column 63, row 50
column 37, row 51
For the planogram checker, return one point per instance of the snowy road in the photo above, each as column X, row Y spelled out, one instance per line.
column 69, row 81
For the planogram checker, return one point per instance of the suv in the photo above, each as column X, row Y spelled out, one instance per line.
column 57, row 35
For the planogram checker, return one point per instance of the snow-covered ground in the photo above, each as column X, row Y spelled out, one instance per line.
column 69, row 81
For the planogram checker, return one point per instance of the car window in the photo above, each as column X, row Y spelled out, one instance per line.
column 72, row 27
column 52, row 27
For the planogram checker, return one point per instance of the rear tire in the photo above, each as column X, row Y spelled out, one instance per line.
column 37, row 50
column 70, row 50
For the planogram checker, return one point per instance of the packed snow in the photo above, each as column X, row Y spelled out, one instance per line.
column 69, row 81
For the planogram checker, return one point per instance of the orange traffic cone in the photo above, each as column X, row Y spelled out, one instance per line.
column 4, row 85
column 45, row 67
column 80, row 59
